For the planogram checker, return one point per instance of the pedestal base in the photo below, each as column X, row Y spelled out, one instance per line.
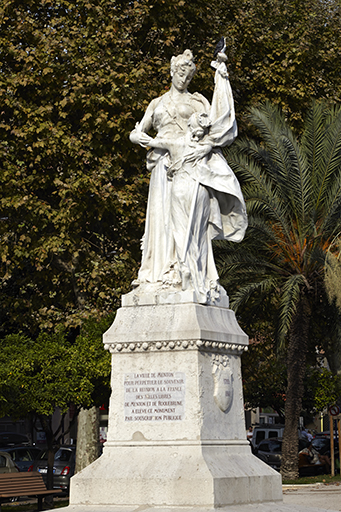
column 176, row 434
column 180, row 475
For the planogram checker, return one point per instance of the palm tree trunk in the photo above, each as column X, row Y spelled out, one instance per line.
column 296, row 368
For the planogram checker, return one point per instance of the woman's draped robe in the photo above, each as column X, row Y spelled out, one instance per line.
column 201, row 203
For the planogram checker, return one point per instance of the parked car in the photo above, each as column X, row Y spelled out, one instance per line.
column 12, row 439
column 6, row 463
column 266, row 431
column 63, row 467
column 23, row 456
column 270, row 451
column 322, row 445
column 325, row 433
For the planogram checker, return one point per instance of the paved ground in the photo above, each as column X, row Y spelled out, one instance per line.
column 296, row 498
column 325, row 497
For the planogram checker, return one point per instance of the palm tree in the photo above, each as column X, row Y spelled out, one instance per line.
column 292, row 189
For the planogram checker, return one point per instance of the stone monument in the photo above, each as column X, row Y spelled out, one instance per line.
column 176, row 434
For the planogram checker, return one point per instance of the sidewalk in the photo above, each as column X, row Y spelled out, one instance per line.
column 317, row 497
column 321, row 496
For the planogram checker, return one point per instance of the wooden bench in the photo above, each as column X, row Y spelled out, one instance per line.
column 14, row 485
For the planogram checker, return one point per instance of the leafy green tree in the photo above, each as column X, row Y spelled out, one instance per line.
column 293, row 195
column 264, row 376
column 65, row 250
column 265, row 381
column 325, row 388
column 73, row 83
column 286, row 52
column 38, row 376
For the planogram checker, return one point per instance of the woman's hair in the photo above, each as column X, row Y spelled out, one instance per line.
column 185, row 61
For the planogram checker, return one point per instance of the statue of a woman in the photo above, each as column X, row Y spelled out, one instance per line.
column 193, row 194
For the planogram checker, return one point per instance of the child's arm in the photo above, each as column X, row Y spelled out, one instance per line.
column 201, row 150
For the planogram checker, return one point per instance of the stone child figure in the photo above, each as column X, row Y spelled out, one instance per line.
column 194, row 196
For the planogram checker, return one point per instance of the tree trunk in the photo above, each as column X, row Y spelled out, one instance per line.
column 87, row 450
column 334, row 355
column 46, row 422
column 296, row 368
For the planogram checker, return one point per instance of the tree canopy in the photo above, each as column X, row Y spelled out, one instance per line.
column 265, row 380
column 264, row 376
column 38, row 376
column 286, row 52
column 75, row 76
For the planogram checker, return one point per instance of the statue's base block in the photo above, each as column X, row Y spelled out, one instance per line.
column 178, row 475
column 176, row 433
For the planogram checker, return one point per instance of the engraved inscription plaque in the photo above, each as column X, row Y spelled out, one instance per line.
column 154, row 396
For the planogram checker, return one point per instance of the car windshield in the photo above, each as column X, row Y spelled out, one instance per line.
column 276, row 446
column 63, row 455
column 43, row 454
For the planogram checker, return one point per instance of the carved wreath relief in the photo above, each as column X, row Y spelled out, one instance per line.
column 222, row 376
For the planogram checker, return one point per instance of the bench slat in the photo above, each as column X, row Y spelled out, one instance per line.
column 12, row 488
column 20, row 475
column 29, row 493
column 25, row 483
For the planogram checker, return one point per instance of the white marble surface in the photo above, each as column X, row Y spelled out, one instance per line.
column 194, row 196
column 174, row 323
column 176, row 432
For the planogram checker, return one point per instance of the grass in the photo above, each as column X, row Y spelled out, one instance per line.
column 325, row 479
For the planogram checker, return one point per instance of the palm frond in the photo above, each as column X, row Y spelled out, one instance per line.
column 292, row 190
column 270, row 122
column 244, row 293
column 259, row 191
column 329, row 172
column 313, row 140
column 290, row 295
column 297, row 180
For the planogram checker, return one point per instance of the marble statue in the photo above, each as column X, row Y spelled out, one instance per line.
column 194, row 197
column 176, row 430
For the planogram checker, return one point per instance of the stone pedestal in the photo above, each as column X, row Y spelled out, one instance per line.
column 176, row 434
